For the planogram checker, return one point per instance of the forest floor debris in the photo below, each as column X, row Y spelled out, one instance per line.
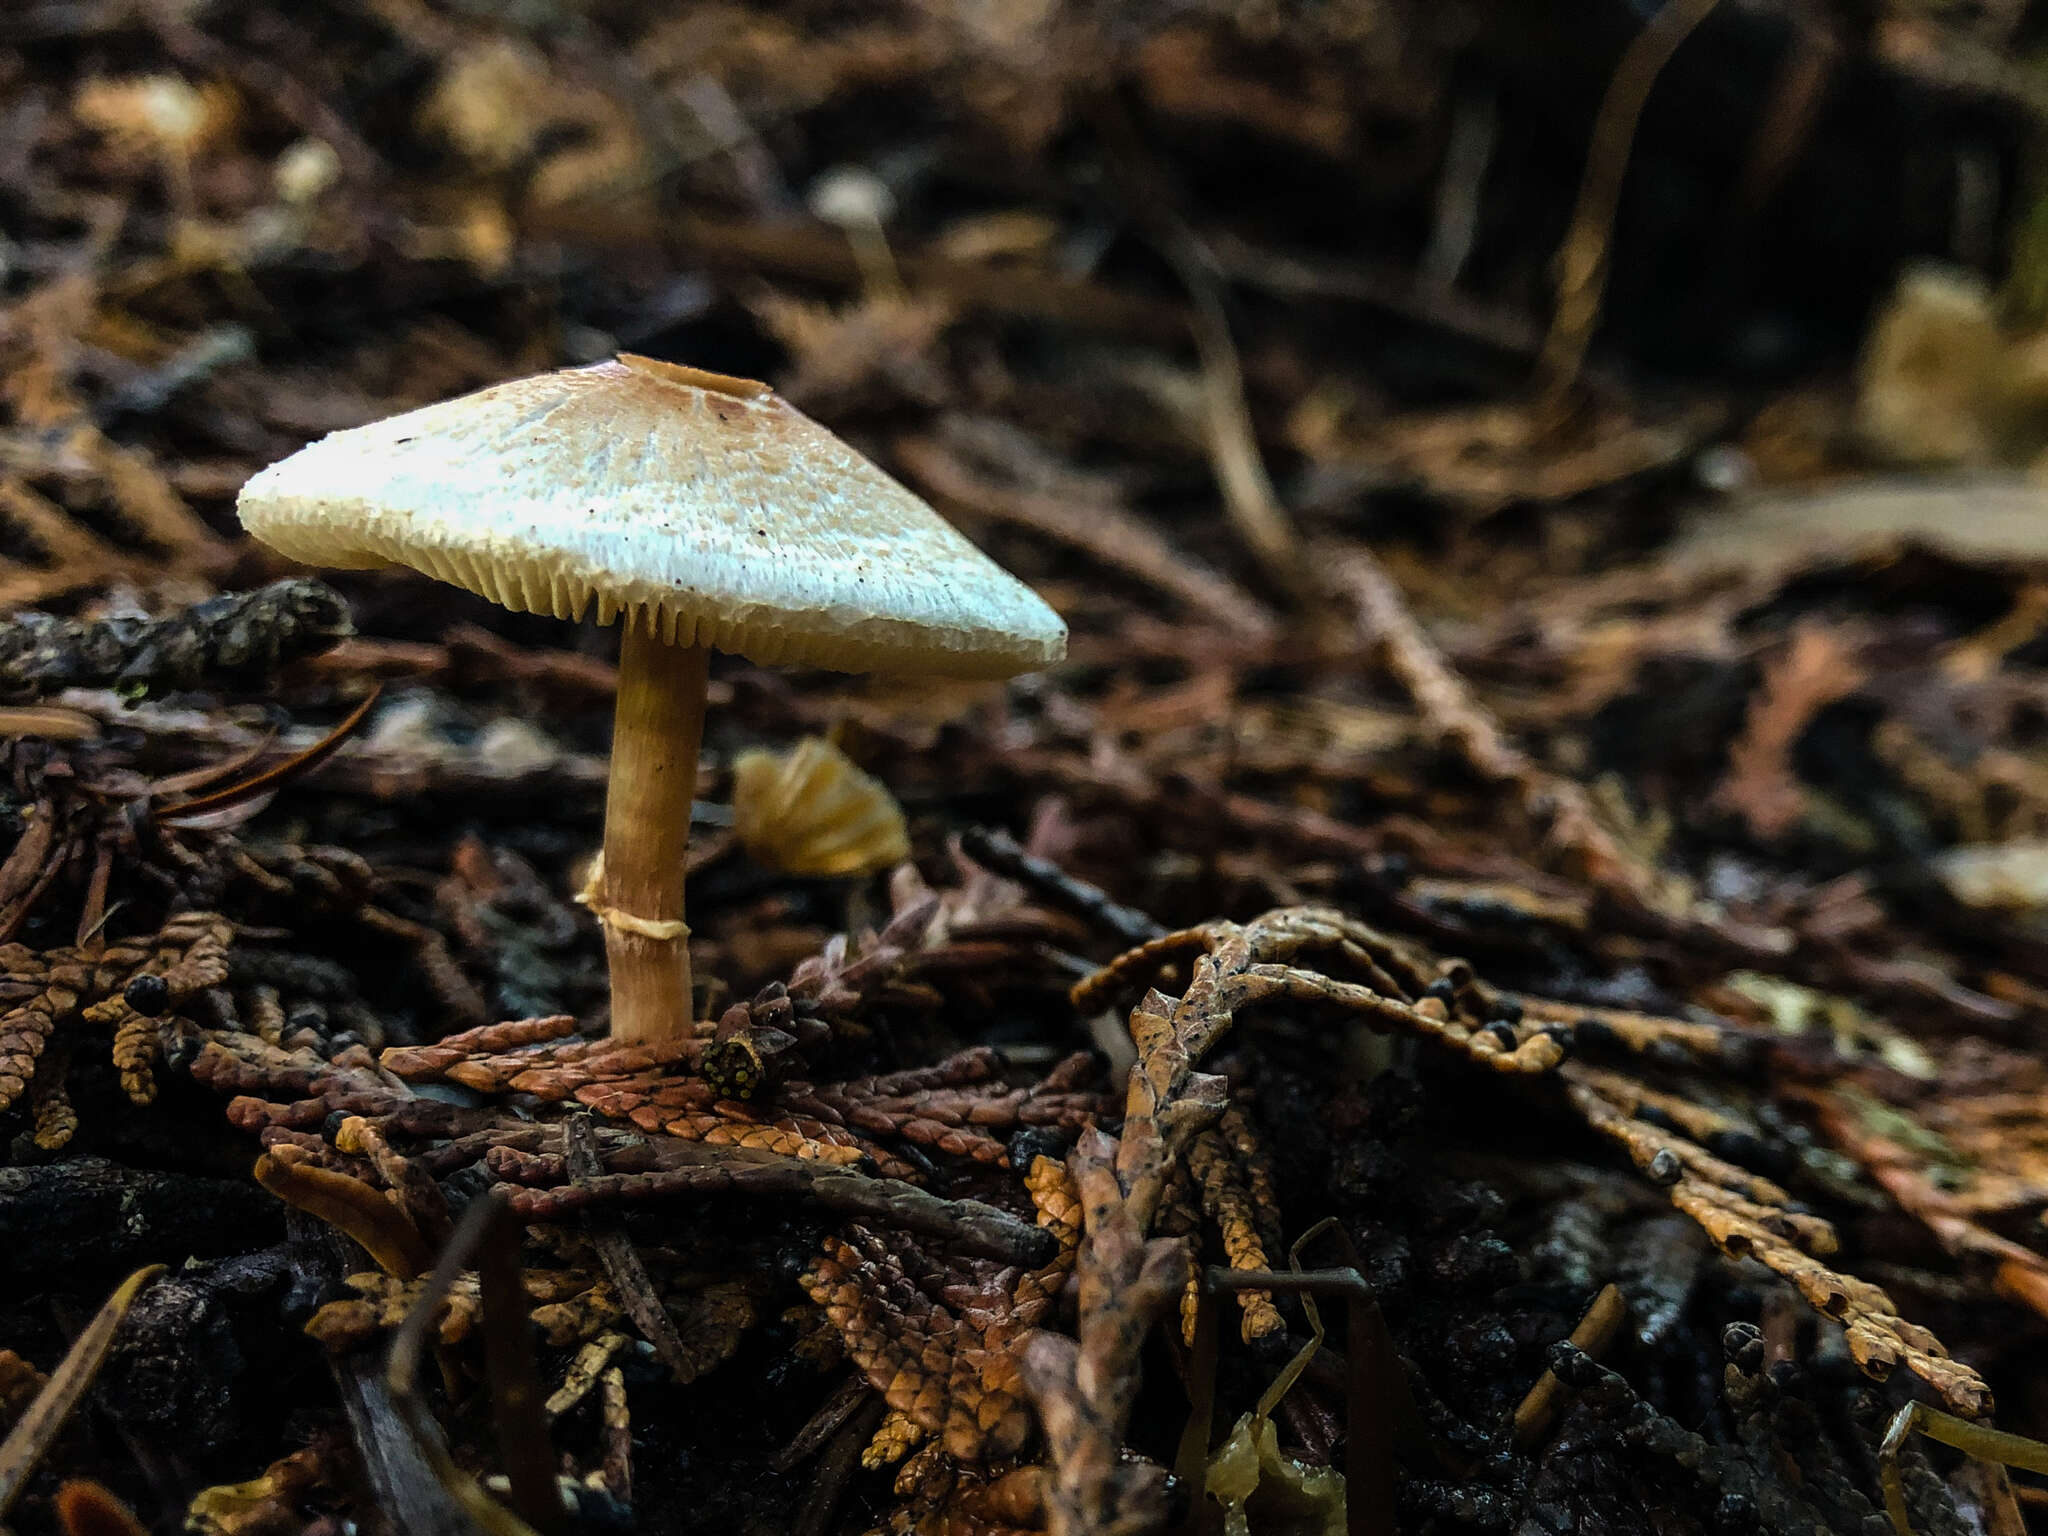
column 1579, row 832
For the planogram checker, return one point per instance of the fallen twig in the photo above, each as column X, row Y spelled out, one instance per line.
column 33, row 1433
column 620, row 1258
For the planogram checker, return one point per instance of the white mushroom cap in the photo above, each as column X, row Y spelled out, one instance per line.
column 850, row 194
column 705, row 504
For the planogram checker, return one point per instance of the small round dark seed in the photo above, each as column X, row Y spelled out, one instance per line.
column 1507, row 1010
column 1036, row 1141
column 1440, row 989
column 1504, row 1032
column 1665, row 1168
column 1596, row 1032
column 1566, row 1037
column 148, row 995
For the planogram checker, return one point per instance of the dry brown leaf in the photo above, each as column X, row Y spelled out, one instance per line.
column 1760, row 786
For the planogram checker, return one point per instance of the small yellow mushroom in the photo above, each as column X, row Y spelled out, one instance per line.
column 810, row 811
column 1261, row 1489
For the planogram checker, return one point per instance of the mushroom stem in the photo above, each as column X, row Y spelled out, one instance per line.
column 655, row 735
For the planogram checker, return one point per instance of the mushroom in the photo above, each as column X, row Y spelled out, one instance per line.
column 703, row 511
column 860, row 203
